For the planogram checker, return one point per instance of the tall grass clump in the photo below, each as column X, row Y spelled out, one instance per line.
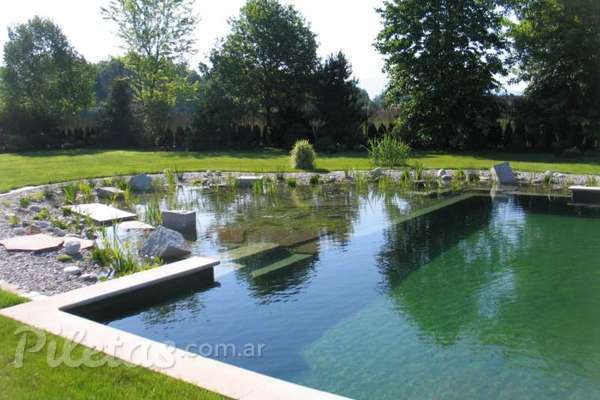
column 303, row 155
column 388, row 151
column 152, row 213
column 70, row 192
column 171, row 178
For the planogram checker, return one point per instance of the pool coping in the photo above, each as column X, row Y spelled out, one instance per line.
column 225, row 379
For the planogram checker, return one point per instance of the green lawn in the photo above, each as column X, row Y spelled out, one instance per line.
column 35, row 380
column 34, row 168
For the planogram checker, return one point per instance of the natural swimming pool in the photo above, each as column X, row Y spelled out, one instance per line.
column 480, row 297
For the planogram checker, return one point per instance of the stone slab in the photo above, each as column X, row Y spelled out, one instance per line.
column 179, row 220
column 102, row 214
column 83, row 243
column 503, row 174
column 134, row 226
column 33, row 243
column 247, row 181
column 110, row 192
column 243, row 253
column 585, row 194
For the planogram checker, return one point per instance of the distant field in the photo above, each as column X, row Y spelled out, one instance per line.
column 34, row 168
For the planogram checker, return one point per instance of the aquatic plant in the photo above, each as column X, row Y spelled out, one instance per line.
column 25, row 201
column 114, row 254
column 70, row 191
column 303, row 155
column 419, row 169
column 291, row 182
column 171, row 179
column 591, row 181
column 361, row 181
column 406, row 178
column 87, row 193
column 388, row 151
column 152, row 214
column 315, row 180
column 42, row 215
column 460, row 176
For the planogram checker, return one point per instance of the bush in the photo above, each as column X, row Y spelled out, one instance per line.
column 303, row 155
column 388, row 152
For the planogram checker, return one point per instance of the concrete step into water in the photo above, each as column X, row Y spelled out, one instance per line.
column 276, row 266
column 246, row 254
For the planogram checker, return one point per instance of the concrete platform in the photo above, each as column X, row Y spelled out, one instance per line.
column 102, row 214
column 33, row 243
column 233, row 382
column 585, row 194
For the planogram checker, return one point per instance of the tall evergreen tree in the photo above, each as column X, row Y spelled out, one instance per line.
column 118, row 124
column 442, row 57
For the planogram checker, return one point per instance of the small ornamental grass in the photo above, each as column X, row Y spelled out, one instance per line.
column 303, row 155
column 388, row 151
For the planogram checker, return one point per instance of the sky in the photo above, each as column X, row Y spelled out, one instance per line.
column 347, row 25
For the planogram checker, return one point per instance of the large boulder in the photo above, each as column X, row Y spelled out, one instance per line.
column 179, row 220
column 166, row 244
column 140, row 183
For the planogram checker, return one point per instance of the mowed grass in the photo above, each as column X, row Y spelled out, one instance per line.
column 35, row 168
column 36, row 380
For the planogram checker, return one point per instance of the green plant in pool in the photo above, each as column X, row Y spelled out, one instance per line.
column 152, row 214
column 70, row 191
column 406, row 178
column 388, row 151
column 591, row 181
column 419, row 169
column 291, row 182
column 25, row 201
column 115, row 254
column 361, row 181
column 171, row 179
column 547, row 180
column 13, row 220
column 42, row 215
column 303, row 155
column 315, row 180
column 460, row 176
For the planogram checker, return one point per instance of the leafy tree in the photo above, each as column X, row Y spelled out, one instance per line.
column 557, row 47
column 441, row 57
column 118, row 124
column 268, row 61
column 341, row 103
column 44, row 82
column 158, row 34
column 106, row 73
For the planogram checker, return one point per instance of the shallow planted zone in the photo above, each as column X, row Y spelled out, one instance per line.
column 386, row 294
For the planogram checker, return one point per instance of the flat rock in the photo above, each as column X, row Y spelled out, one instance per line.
column 503, row 174
column 84, row 244
column 247, row 181
column 102, row 214
column 134, row 226
column 166, row 244
column 34, row 243
column 110, row 192
column 72, row 270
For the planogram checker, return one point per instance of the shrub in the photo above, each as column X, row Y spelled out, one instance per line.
column 388, row 151
column 25, row 201
column 315, row 180
column 291, row 182
column 303, row 155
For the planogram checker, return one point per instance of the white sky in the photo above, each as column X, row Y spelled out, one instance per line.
column 347, row 25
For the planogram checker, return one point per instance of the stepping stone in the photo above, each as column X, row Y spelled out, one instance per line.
column 243, row 253
column 179, row 220
column 35, row 243
column 102, row 214
column 232, row 235
column 84, row 244
column 134, row 226
column 247, row 181
column 286, row 262
column 503, row 174
column 110, row 193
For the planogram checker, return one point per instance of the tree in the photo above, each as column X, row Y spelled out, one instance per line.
column 557, row 47
column 44, row 82
column 118, row 124
column 158, row 34
column 441, row 57
column 339, row 100
column 268, row 60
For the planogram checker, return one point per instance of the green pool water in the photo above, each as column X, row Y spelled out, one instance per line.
column 486, row 298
